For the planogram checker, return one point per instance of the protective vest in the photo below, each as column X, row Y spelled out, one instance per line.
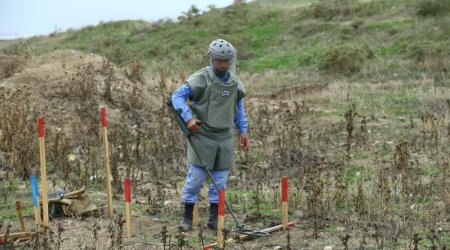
column 215, row 105
column 214, row 101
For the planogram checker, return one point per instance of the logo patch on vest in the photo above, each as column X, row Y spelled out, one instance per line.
column 225, row 93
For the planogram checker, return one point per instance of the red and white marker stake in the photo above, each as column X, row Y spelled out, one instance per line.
column 127, row 205
column 221, row 218
column 107, row 168
column 284, row 202
column 43, row 170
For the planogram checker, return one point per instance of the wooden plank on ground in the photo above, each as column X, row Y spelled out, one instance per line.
column 246, row 237
column 15, row 236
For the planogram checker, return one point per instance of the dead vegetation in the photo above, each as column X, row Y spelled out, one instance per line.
column 352, row 180
column 10, row 65
column 13, row 60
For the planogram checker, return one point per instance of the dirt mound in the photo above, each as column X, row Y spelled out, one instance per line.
column 68, row 88
column 56, row 82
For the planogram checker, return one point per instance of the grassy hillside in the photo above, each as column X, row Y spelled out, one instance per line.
column 374, row 40
column 349, row 99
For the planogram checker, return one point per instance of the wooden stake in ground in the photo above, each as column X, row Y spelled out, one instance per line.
column 43, row 170
column 221, row 218
column 107, row 168
column 34, row 194
column 127, row 205
column 284, row 202
column 19, row 214
column 195, row 215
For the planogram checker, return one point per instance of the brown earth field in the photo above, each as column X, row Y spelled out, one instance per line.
column 367, row 163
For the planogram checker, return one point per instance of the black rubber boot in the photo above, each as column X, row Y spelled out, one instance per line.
column 212, row 221
column 186, row 225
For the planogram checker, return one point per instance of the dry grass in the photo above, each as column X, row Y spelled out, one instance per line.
column 10, row 65
column 376, row 175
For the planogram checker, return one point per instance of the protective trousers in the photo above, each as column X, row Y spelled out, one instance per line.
column 194, row 182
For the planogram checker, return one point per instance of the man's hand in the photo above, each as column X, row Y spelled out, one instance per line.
column 243, row 139
column 193, row 124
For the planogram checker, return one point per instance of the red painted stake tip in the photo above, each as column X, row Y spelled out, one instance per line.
column 41, row 127
column 221, row 209
column 104, row 117
column 284, row 189
column 127, row 190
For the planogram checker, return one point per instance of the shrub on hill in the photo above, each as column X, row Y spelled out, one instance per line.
column 432, row 7
column 345, row 59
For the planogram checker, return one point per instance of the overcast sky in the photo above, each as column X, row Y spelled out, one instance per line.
column 25, row 18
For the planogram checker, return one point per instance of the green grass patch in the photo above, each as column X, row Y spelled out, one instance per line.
column 432, row 170
column 332, row 228
column 285, row 2
column 282, row 61
column 9, row 211
column 308, row 56
column 382, row 101
column 353, row 173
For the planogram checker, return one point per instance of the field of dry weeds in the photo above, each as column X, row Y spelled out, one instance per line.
column 368, row 163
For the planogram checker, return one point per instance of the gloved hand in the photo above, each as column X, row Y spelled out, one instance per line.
column 244, row 141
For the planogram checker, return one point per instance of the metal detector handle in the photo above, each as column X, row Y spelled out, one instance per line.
column 252, row 233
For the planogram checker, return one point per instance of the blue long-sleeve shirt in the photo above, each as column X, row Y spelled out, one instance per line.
column 184, row 92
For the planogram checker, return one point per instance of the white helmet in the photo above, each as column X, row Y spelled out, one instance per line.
column 221, row 49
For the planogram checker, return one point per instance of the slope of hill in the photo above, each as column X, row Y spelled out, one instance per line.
column 368, row 40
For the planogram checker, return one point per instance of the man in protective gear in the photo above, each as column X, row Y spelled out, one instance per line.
column 216, row 96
